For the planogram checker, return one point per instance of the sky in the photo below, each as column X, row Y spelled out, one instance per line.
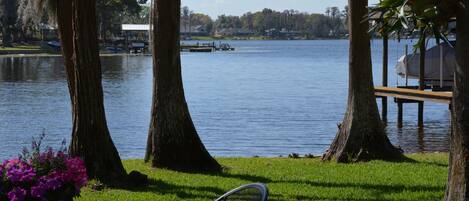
column 215, row 8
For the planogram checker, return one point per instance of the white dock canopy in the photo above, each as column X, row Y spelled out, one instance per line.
column 440, row 62
column 135, row 27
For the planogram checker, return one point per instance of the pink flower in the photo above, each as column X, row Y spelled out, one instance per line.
column 76, row 172
column 18, row 171
column 2, row 168
column 17, row 194
column 9, row 163
column 39, row 176
column 38, row 191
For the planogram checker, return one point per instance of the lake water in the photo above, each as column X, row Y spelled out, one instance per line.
column 267, row 98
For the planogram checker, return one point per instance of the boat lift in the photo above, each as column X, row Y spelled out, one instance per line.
column 440, row 64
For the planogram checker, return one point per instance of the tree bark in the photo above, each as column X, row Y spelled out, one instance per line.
column 8, row 7
column 458, row 177
column 384, row 100
column 90, row 139
column 64, row 21
column 361, row 135
column 172, row 140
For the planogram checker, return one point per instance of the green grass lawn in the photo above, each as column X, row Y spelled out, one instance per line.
column 295, row 179
column 21, row 47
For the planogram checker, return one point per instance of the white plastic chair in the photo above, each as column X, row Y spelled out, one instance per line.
column 249, row 192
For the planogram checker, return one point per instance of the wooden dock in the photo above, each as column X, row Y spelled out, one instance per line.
column 414, row 94
column 206, row 47
column 406, row 95
column 198, row 48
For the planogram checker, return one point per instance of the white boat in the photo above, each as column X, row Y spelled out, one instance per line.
column 440, row 63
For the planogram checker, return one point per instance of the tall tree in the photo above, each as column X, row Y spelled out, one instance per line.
column 199, row 19
column 185, row 15
column 458, row 179
column 63, row 11
column 111, row 13
column 172, row 140
column 90, row 138
column 143, row 17
column 361, row 135
column 8, row 18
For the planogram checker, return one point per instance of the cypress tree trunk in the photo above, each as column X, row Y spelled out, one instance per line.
column 458, row 178
column 361, row 135
column 172, row 140
column 90, row 139
column 7, row 8
column 6, row 36
column 64, row 20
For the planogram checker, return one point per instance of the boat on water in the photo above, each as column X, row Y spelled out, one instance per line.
column 440, row 64
column 137, row 47
column 225, row 47
column 201, row 49
column 206, row 47
column 54, row 45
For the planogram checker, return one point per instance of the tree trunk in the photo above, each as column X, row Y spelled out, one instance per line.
column 64, row 21
column 423, row 52
column 361, row 135
column 6, row 7
column 102, row 30
column 458, row 177
column 172, row 140
column 6, row 37
column 90, row 139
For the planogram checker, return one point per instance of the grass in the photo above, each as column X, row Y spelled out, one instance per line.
column 294, row 179
column 20, row 48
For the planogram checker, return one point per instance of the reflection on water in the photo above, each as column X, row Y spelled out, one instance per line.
column 434, row 137
column 268, row 98
column 18, row 69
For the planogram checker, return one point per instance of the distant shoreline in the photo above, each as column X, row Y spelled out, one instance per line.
column 60, row 55
column 36, row 51
column 254, row 38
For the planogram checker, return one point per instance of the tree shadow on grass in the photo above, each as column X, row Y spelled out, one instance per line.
column 433, row 163
column 181, row 191
column 388, row 188
column 379, row 190
column 245, row 177
column 400, row 159
column 406, row 159
column 278, row 197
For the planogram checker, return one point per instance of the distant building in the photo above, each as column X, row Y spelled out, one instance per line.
column 290, row 33
column 48, row 32
column 233, row 32
column 283, row 33
column 139, row 32
column 197, row 30
column 135, row 32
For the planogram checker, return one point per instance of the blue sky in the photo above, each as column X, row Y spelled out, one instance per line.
column 238, row 7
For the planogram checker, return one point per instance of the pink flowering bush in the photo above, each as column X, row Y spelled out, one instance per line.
column 41, row 176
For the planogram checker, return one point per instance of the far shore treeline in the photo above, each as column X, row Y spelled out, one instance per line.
column 21, row 24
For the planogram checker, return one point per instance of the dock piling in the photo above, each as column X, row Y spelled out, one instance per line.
column 400, row 108
column 420, row 115
column 421, row 80
column 384, row 100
